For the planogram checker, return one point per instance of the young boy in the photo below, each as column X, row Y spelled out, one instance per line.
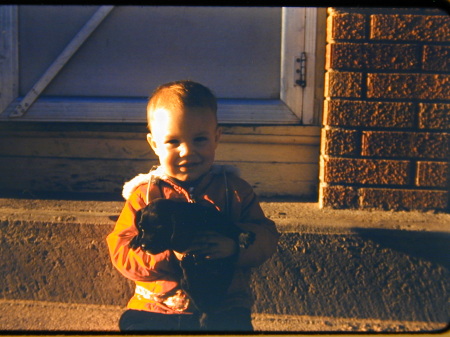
column 184, row 135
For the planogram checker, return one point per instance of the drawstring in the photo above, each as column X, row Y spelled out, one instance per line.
column 151, row 181
column 191, row 195
column 227, row 207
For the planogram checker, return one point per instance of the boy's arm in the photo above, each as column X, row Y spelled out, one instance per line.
column 135, row 264
column 266, row 234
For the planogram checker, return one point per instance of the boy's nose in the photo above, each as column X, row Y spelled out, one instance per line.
column 185, row 149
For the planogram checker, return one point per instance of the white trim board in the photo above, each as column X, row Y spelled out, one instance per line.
column 133, row 111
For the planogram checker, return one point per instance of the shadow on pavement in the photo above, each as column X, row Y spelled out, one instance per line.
column 431, row 246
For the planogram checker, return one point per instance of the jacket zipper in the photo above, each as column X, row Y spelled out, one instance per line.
column 189, row 195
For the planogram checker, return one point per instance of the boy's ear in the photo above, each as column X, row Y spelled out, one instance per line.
column 152, row 143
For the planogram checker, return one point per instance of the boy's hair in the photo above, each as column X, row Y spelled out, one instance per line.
column 179, row 94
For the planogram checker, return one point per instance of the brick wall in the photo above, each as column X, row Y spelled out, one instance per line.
column 385, row 136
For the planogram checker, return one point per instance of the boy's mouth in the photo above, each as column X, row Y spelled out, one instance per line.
column 188, row 166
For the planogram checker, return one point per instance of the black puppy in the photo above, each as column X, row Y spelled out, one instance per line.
column 168, row 224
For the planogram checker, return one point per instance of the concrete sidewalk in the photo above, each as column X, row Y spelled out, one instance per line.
column 334, row 270
column 38, row 316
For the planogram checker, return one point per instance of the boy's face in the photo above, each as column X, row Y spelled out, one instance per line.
column 185, row 140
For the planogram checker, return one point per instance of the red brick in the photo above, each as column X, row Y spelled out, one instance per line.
column 344, row 56
column 436, row 58
column 343, row 84
column 408, row 86
column 392, row 56
column 368, row 114
column 338, row 197
column 405, row 144
column 434, row 116
column 346, row 26
column 401, row 199
column 410, row 27
column 386, row 144
column 433, row 174
column 365, row 171
column 339, row 142
column 355, row 56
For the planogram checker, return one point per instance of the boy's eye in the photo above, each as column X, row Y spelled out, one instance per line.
column 172, row 142
column 201, row 139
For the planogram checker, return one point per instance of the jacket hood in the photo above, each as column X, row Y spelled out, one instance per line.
column 158, row 172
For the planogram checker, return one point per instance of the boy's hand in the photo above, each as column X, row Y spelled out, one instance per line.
column 211, row 246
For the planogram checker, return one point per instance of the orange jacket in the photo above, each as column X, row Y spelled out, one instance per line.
column 157, row 276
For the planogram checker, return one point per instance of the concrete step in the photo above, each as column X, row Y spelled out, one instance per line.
column 361, row 268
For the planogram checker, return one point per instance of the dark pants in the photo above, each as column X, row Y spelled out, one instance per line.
column 236, row 320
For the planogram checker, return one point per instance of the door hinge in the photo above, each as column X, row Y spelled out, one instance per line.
column 300, row 70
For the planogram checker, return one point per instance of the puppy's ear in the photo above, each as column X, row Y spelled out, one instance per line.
column 136, row 241
column 138, row 219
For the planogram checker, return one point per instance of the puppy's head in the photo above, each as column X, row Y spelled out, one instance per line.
column 169, row 224
column 155, row 228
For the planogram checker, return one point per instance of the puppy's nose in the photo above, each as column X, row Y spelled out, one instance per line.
column 145, row 247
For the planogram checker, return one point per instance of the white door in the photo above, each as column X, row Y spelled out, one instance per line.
column 249, row 56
